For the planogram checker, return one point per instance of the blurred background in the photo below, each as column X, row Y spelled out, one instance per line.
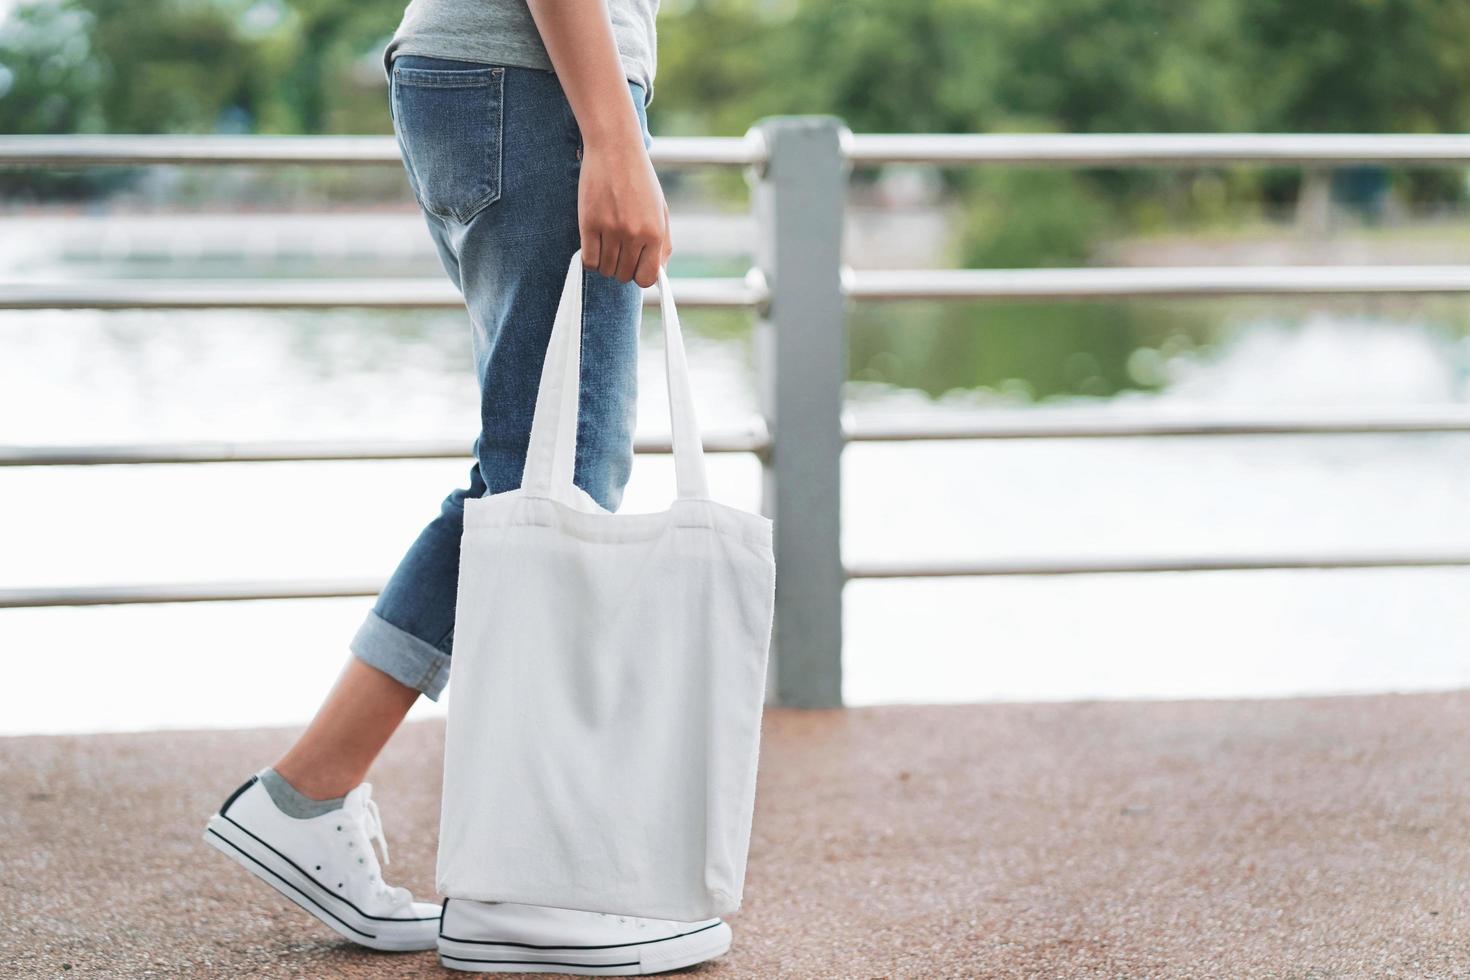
column 884, row 66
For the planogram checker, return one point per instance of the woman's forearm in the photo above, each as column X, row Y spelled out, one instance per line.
column 622, row 218
column 579, row 39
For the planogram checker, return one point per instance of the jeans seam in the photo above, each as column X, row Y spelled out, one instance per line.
column 581, row 361
column 430, row 673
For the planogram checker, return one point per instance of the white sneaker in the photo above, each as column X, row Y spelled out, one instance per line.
column 502, row 937
column 326, row 865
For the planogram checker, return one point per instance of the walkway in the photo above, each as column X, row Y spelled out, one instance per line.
column 1306, row 839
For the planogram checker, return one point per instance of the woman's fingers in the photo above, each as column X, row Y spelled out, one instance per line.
column 648, row 263
column 608, row 261
column 626, row 257
column 591, row 250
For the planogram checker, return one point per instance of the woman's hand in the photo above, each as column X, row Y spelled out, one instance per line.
column 621, row 212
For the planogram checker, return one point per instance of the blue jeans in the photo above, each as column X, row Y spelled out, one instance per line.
column 493, row 155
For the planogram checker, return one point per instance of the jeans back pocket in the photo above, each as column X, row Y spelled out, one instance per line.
column 449, row 126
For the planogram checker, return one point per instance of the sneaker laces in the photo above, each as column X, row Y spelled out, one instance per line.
column 372, row 826
column 370, row 823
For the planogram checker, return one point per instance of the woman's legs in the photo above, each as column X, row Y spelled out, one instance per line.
column 493, row 156
column 332, row 756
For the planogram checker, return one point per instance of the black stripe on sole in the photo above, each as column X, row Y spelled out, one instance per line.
column 585, row 966
column 643, row 942
column 325, row 890
column 290, row 884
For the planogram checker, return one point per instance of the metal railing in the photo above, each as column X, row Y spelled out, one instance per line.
column 308, row 294
column 139, row 151
column 800, row 290
column 754, row 438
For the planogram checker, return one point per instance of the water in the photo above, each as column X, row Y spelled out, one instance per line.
column 92, row 377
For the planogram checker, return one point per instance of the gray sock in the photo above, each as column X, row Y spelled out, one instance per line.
column 289, row 800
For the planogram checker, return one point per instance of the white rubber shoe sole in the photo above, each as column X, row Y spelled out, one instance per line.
column 257, row 857
column 628, row 959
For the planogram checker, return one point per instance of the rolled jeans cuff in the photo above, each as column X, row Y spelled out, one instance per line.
column 401, row 655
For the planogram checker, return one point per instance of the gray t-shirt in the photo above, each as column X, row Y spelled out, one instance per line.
column 501, row 32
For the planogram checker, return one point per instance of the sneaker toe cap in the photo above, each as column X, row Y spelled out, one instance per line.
column 425, row 910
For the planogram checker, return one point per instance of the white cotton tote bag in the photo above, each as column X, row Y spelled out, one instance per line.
column 609, row 676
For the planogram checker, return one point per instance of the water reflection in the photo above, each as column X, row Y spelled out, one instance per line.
column 1018, row 354
column 90, row 377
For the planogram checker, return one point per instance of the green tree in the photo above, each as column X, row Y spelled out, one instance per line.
column 1398, row 66
column 169, row 65
column 50, row 78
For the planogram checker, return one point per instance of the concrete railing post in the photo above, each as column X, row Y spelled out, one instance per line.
column 801, row 360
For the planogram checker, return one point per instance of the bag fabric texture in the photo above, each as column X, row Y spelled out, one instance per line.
column 608, row 676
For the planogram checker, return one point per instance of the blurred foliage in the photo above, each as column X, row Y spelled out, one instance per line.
column 883, row 65
column 193, row 66
column 1018, row 218
column 1072, row 65
column 1399, row 66
column 1080, row 66
column 50, row 80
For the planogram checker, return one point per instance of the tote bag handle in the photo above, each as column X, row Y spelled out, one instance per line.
column 551, row 456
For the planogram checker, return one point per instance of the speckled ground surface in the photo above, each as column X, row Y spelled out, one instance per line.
column 1303, row 839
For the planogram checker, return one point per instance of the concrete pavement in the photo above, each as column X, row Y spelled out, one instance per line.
column 1305, row 838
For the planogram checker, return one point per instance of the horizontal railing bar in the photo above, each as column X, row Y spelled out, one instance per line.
column 752, row 440
column 1180, row 281
column 393, row 294
column 1006, row 425
column 1158, row 149
column 129, row 150
column 1133, row 566
column 750, row 292
column 105, row 595
column 148, row 594
column 1064, row 149
column 1037, row 425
